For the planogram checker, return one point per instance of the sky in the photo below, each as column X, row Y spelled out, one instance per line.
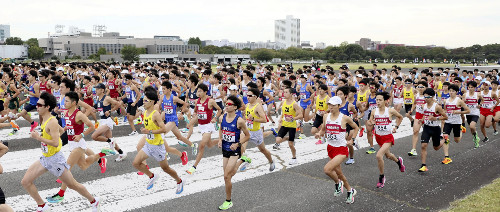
column 446, row 23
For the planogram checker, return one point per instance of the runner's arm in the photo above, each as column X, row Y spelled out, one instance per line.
column 87, row 107
column 159, row 122
column 298, row 110
column 462, row 104
column 81, row 117
column 243, row 127
column 399, row 117
column 261, row 115
column 354, row 126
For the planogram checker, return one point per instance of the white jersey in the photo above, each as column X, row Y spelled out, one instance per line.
column 331, row 85
column 450, row 106
column 244, row 88
column 383, row 123
column 420, row 103
column 335, row 134
column 473, row 103
column 269, row 88
column 431, row 112
column 216, row 93
column 488, row 101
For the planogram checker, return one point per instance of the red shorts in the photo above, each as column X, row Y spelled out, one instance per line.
column 90, row 102
column 497, row 108
column 334, row 151
column 382, row 139
column 486, row 112
column 419, row 115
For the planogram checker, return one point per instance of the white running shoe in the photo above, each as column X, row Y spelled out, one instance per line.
column 121, row 157
column 133, row 133
column 272, row 166
column 243, row 166
column 45, row 208
column 349, row 161
column 96, row 206
column 152, row 181
column 180, row 187
column 292, row 161
column 112, row 145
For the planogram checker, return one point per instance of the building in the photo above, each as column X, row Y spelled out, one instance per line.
column 85, row 45
column 168, row 37
column 287, row 32
column 367, row 44
column 191, row 58
column 306, row 45
column 256, row 45
column 14, row 51
column 4, row 33
column 320, row 45
column 218, row 43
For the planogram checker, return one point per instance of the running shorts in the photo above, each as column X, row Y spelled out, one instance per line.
column 158, row 152
column 457, row 130
column 284, row 130
column 433, row 133
column 382, row 139
column 318, row 121
column 228, row 154
column 486, row 112
column 472, row 118
column 257, row 137
column 55, row 164
column 408, row 108
column 334, row 151
column 80, row 144
column 419, row 115
column 206, row 128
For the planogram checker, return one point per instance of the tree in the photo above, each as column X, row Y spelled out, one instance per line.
column 262, row 54
column 210, row 49
column 32, row 42
column 131, row 53
column 195, row 41
column 14, row 41
column 35, row 53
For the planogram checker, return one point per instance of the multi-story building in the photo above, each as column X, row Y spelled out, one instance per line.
column 287, row 32
column 320, row 45
column 368, row 44
column 4, row 33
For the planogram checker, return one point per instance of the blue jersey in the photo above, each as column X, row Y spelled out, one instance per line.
column 101, row 109
column 33, row 99
column 170, row 108
column 230, row 133
column 345, row 109
column 304, row 94
column 372, row 103
column 131, row 95
column 63, row 112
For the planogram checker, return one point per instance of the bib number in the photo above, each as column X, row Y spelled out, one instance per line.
column 228, row 136
column 202, row 116
column 45, row 149
column 150, row 136
column 249, row 123
column 70, row 131
column 101, row 112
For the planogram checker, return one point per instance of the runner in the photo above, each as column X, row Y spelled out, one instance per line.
column 3, row 206
column 335, row 126
column 453, row 107
column 409, row 99
column 419, row 114
column 104, row 132
column 321, row 107
column 132, row 100
column 290, row 111
column 205, row 119
column 397, row 94
column 75, row 130
column 349, row 110
column 487, row 99
column 370, row 105
column 12, row 98
column 381, row 118
column 433, row 115
column 34, row 92
column 230, row 140
column 154, row 146
column 305, row 91
column 52, row 160
column 472, row 101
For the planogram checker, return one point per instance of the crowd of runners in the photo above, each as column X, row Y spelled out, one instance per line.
column 234, row 102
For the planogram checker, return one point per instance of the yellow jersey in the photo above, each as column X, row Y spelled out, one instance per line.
column 408, row 96
column 153, row 139
column 49, row 150
column 440, row 88
column 321, row 104
column 288, row 112
column 251, row 125
column 363, row 97
column 2, row 92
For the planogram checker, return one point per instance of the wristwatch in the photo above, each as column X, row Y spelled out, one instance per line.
column 151, row 132
column 239, row 144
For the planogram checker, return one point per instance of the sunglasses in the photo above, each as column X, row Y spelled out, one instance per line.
column 146, row 100
column 229, row 104
column 249, row 95
column 407, row 83
column 420, row 87
column 427, row 97
column 40, row 105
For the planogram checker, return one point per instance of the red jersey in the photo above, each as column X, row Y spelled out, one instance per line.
column 204, row 113
column 72, row 127
column 44, row 88
column 113, row 93
column 87, row 98
column 397, row 92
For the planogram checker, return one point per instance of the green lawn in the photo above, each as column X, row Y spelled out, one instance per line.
column 485, row 199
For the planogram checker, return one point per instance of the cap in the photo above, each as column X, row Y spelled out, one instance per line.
column 359, row 75
column 60, row 69
column 303, row 76
column 124, row 71
column 487, row 82
column 479, row 78
column 85, row 74
column 78, row 72
column 101, row 86
column 233, row 87
column 443, row 75
column 335, row 100
column 142, row 75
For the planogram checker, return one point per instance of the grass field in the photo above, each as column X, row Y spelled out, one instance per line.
column 485, row 199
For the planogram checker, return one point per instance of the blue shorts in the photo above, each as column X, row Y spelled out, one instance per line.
column 29, row 107
column 172, row 119
column 304, row 105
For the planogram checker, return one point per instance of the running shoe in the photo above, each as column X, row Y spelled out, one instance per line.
column 137, row 121
column 194, row 149
column 121, row 157
column 319, row 142
column 272, row 166
column 226, row 205
column 339, row 189
column 125, row 119
column 464, row 130
column 495, row 132
column 182, row 144
column 112, row 144
column 186, row 119
column 361, row 132
column 349, row 161
column 184, row 158
column 55, row 199
column 302, row 136
column 274, row 132
column 96, row 206
column 413, row 152
column 180, row 187
column 356, row 144
column 115, row 119
column 446, row 160
column 96, row 125
column 191, row 170
column 371, row 151
column 292, row 161
column 108, row 151
column 14, row 131
column 45, row 208
column 133, row 133
column 276, row 146
column 15, row 126
column 486, row 139
column 152, row 181
column 246, row 160
column 423, row 169
column 446, row 139
column 184, row 130
column 402, row 167
column 58, row 181
column 350, row 196
column 103, row 163
column 381, row 182
column 476, row 141
column 142, row 173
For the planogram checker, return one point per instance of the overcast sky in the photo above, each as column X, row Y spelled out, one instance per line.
column 445, row 23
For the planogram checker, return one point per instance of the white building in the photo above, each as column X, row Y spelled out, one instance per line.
column 287, row 32
column 320, row 45
column 4, row 33
column 14, row 51
column 218, row 43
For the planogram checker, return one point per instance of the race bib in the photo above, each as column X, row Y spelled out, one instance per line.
column 202, row 116
column 191, row 102
column 381, row 127
column 70, row 131
column 249, row 123
column 288, row 117
column 408, row 101
column 111, row 86
column 228, row 136
column 100, row 111
column 168, row 109
column 45, row 149
column 150, row 136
